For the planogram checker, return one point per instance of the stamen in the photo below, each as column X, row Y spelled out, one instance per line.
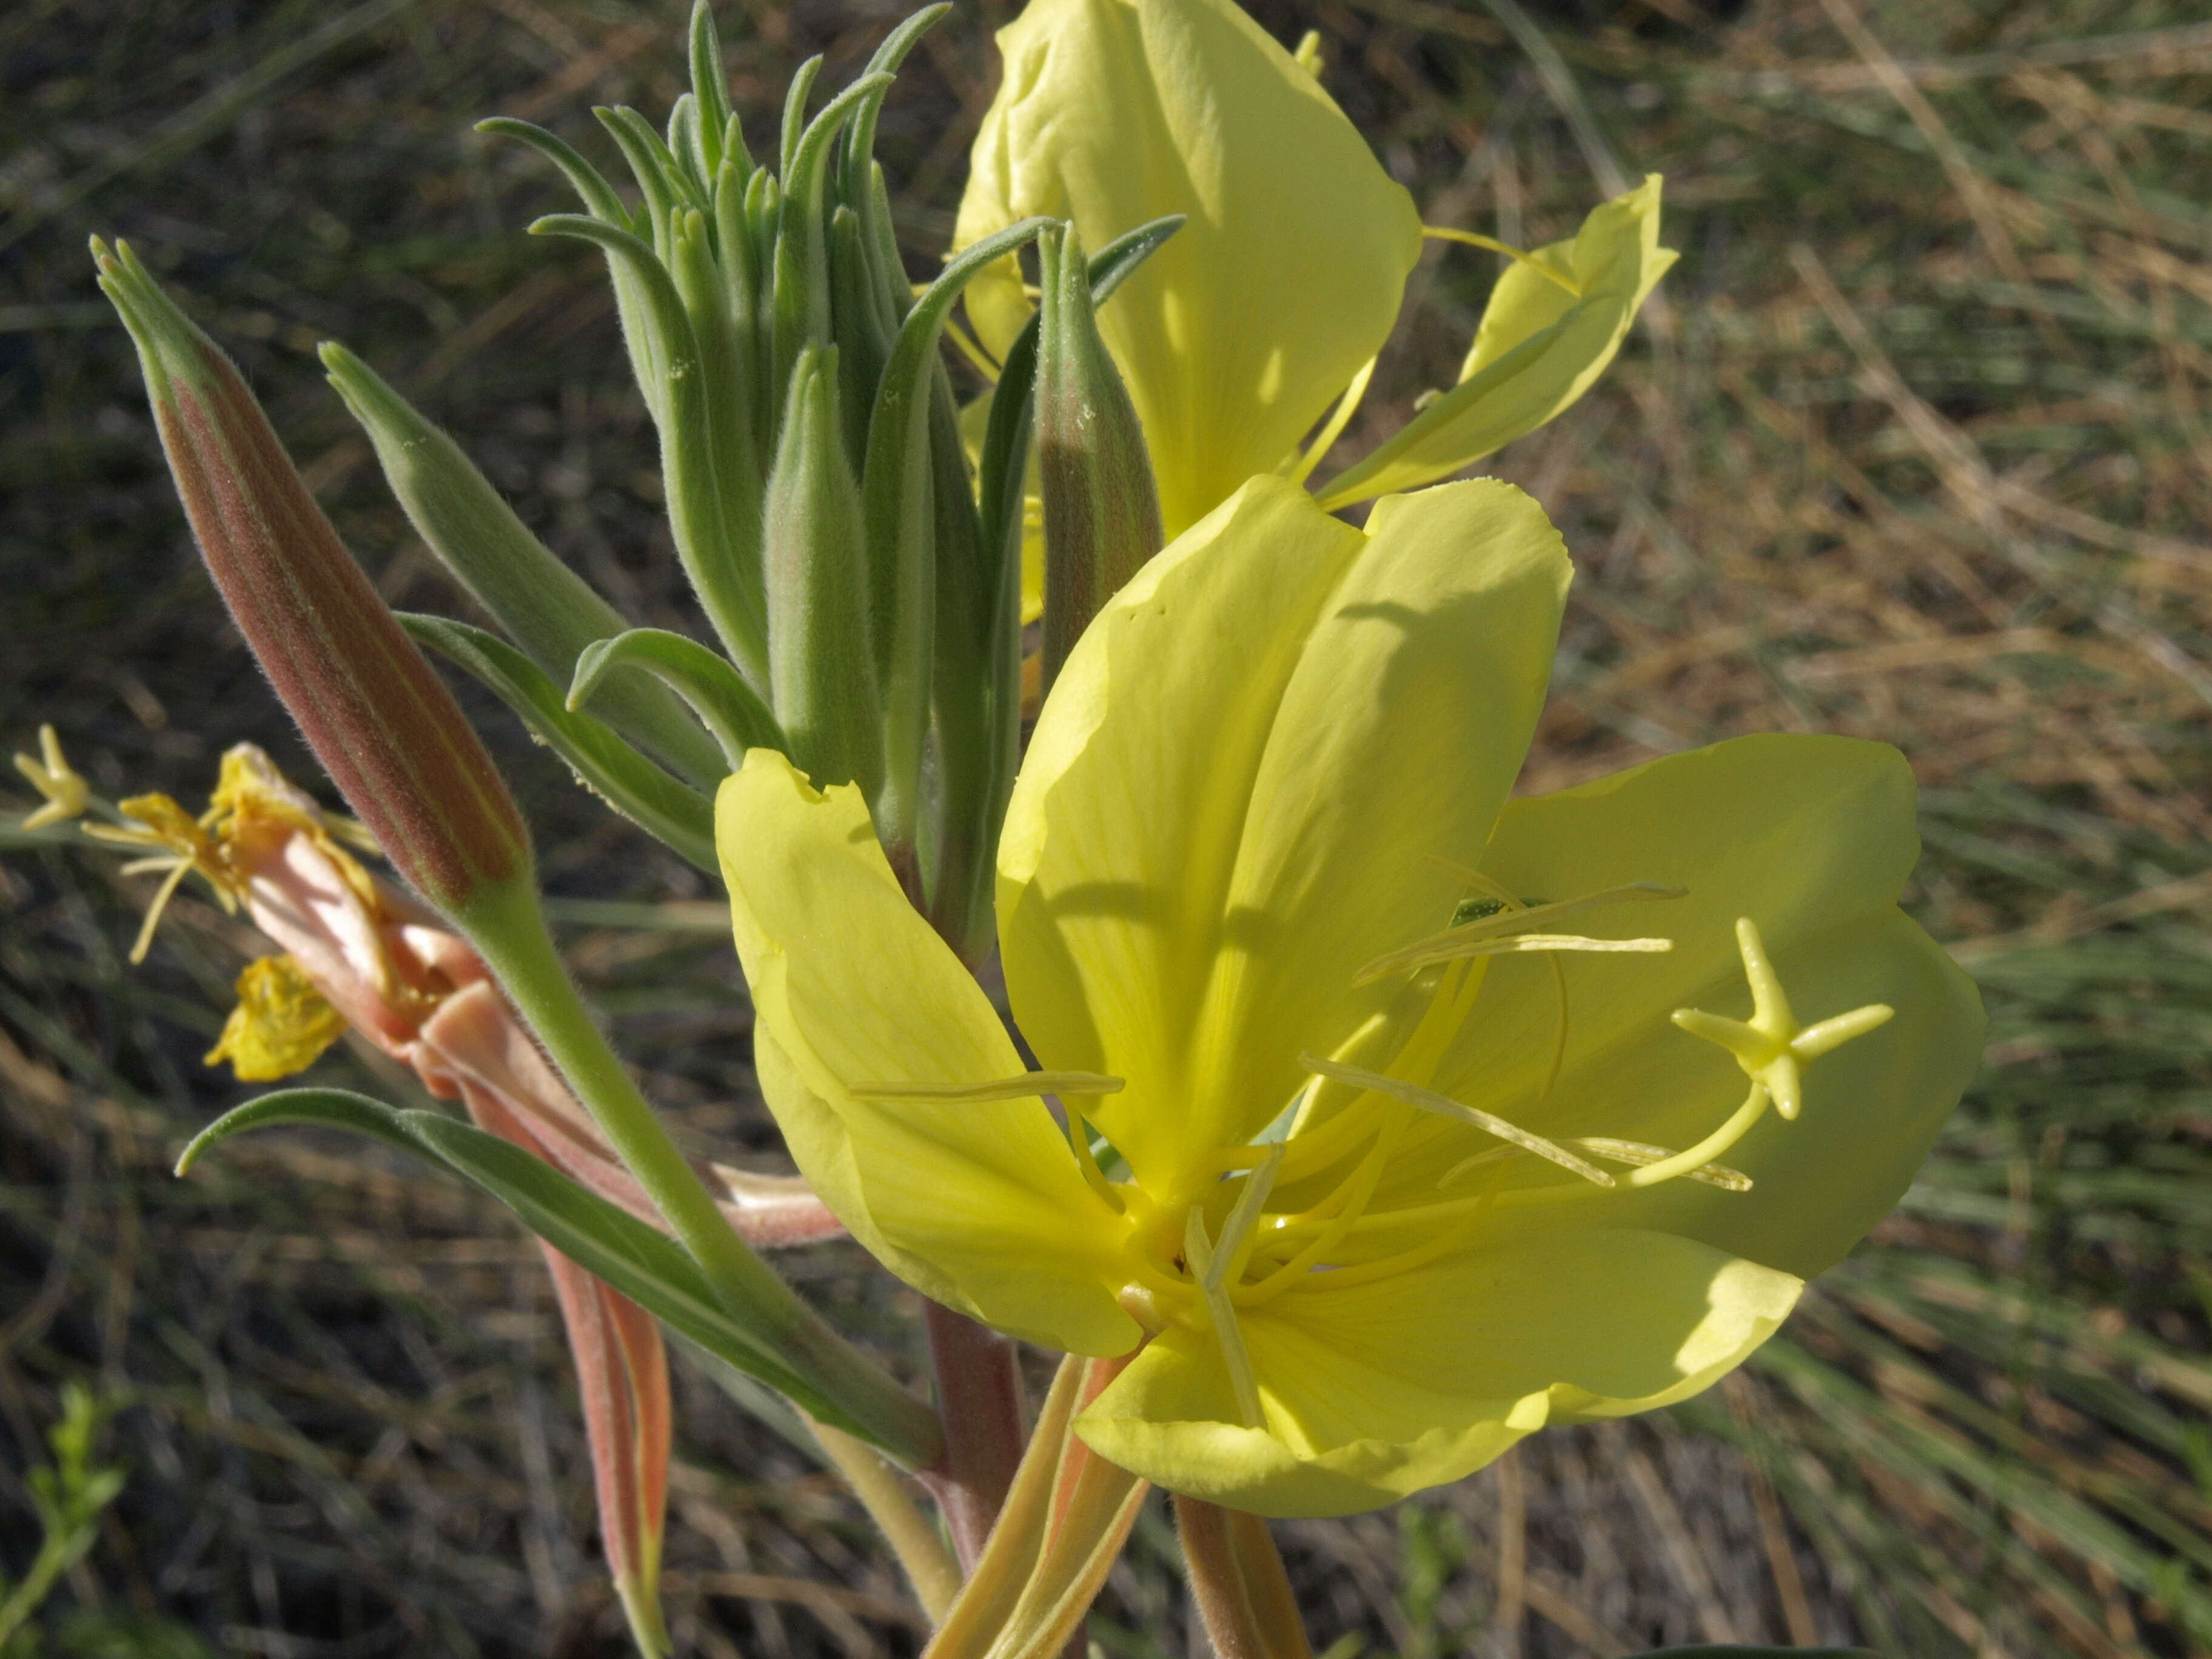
column 163, row 895
column 1441, row 1241
column 1445, row 234
column 1200, row 1253
column 1003, row 1088
column 1639, row 1152
column 1451, row 945
column 1429, row 1100
column 1301, row 468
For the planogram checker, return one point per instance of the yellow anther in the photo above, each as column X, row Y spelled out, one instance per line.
column 1002, row 1088
column 1488, row 935
column 1771, row 1047
column 53, row 777
column 1308, row 56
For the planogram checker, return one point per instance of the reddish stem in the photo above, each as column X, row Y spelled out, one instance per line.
column 979, row 1399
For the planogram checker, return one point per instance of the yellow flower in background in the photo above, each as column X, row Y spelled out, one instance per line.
column 1272, row 300
column 1383, row 1132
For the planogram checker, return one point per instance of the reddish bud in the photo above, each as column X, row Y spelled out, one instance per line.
column 381, row 722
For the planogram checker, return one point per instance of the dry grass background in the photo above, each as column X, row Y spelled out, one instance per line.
column 1913, row 447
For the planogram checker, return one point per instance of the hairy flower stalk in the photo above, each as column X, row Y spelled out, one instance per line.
column 1374, row 1131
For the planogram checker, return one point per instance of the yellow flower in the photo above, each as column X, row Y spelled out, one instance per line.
column 1272, row 300
column 1402, row 1155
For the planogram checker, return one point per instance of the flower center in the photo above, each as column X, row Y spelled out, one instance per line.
column 1189, row 1272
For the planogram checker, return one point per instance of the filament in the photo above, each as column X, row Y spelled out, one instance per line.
column 1428, row 1100
column 1445, row 234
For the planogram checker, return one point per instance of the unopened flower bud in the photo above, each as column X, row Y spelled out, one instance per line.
column 384, row 726
column 820, row 663
column 1101, row 509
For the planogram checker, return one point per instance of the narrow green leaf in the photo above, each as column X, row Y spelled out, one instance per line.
column 802, row 258
column 601, row 202
column 639, row 1260
column 730, row 708
column 896, row 496
column 599, row 198
column 659, row 178
column 728, row 590
column 794, row 112
column 546, row 607
column 658, row 804
column 710, row 85
column 860, row 135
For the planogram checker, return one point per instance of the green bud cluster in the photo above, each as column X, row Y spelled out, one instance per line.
column 862, row 584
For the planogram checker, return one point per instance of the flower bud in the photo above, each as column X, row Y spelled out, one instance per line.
column 1101, row 509
column 821, row 664
column 384, row 726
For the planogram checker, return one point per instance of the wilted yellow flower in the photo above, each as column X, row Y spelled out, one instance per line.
column 1378, row 1127
column 281, row 1024
column 1272, row 300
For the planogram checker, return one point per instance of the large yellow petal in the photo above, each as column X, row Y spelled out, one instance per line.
column 1539, row 348
column 1811, row 837
column 980, row 1205
column 1241, row 782
column 1236, row 335
column 1378, row 1390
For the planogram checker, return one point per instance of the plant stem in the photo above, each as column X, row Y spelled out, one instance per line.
column 504, row 922
column 934, row 1574
column 1236, row 1578
column 979, row 1401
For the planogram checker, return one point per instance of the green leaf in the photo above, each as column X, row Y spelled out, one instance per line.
column 897, row 502
column 801, row 280
column 546, row 608
column 728, row 586
column 639, row 1260
column 1725, row 1652
column 730, row 708
column 658, row 804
